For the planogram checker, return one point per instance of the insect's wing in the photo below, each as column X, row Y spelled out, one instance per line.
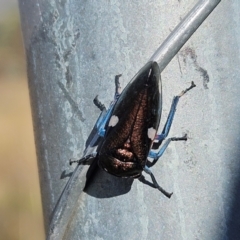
column 135, row 117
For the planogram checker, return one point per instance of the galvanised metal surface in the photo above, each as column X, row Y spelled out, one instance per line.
column 74, row 49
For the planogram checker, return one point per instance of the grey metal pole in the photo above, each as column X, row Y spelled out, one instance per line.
column 73, row 50
column 66, row 205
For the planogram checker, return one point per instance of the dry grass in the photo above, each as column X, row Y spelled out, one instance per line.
column 20, row 205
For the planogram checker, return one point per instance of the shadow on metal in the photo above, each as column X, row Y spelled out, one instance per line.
column 100, row 184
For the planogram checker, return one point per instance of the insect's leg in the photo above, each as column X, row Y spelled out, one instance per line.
column 117, row 87
column 171, row 114
column 101, row 123
column 97, row 103
column 159, row 138
column 82, row 160
column 98, row 131
column 148, row 171
column 100, row 105
column 157, row 155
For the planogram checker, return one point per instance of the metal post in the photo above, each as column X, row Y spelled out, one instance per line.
column 74, row 49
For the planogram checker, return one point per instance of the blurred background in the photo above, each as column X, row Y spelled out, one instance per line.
column 20, row 204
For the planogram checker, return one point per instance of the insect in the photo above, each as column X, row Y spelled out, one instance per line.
column 125, row 135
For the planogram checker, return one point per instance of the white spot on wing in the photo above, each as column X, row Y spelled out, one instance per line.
column 113, row 121
column 152, row 133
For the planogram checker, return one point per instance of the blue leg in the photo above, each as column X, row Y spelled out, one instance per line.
column 171, row 114
column 159, row 138
column 148, row 171
column 102, row 120
column 101, row 123
column 157, row 155
column 98, row 131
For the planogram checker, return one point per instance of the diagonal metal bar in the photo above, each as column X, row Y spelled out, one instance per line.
column 183, row 31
